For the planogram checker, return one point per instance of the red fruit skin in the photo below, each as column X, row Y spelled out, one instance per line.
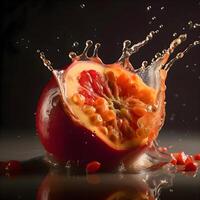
column 65, row 140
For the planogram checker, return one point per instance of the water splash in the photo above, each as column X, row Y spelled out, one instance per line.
column 193, row 25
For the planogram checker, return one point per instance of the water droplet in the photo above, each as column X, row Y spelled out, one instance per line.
column 144, row 63
column 171, row 190
column 195, row 64
column 72, row 55
column 176, row 95
column 26, row 47
column 68, row 164
column 17, row 42
column 153, row 18
column 22, row 39
column 57, row 37
column 157, row 55
column 183, row 28
column 174, row 34
column 82, row 5
column 58, row 50
column 196, row 43
column 187, row 66
column 86, row 142
column 28, row 41
column 75, row 44
column 162, row 8
column 172, row 117
column 150, row 22
column 38, row 51
column 148, row 8
column 190, row 24
column 161, row 26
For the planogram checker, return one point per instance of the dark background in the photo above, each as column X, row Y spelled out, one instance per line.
column 53, row 26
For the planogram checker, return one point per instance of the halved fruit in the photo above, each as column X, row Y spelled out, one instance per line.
column 111, row 102
column 96, row 112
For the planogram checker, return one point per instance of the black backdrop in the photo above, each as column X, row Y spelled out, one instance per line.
column 53, row 26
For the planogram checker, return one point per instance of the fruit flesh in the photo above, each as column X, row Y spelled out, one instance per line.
column 113, row 103
column 64, row 140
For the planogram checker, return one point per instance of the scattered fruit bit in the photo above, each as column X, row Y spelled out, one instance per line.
column 173, row 161
column 93, row 167
column 189, row 159
column 197, row 156
column 191, row 166
column 13, row 166
column 180, row 158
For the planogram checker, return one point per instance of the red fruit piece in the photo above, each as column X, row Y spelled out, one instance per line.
column 189, row 159
column 180, row 158
column 190, row 166
column 173, row 161
column 197, row 156
column 93, row 167
column 13, row 166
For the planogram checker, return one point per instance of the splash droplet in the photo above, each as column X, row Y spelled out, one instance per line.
column 162, row 8
column 57, row 37
column 153, row 18
column 161, row 26
column 174, row 34
column 148, row 8
column 75, row 44
column 82, row 5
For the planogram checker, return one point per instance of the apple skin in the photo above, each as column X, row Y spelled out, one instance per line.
column 66, row 141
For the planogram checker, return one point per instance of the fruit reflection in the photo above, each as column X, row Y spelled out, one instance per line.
column 57, row 185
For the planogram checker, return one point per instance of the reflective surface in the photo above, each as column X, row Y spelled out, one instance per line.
column 38, row 181
column 57, row 185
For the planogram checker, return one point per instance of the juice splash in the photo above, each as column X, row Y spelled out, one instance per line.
column 133, row 101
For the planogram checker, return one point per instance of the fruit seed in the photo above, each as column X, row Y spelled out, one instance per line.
column 89, row 109
column 78, row 99
column 96, row 119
